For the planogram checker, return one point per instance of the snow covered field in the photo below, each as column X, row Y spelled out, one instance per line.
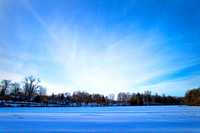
column 101, row 119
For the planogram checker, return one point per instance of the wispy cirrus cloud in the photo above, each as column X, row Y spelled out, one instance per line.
column 71, row 56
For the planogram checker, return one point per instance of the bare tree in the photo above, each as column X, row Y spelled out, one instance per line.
column 42, row 94
column 42, row 91
column 15, row 89
column 124, row 97
column 77, row 97
column 86, row 97
column 30, row 87
column 4, row 87
column 147, row 97
column 121, row 97
column 111, row 97
column 96, row 98
column 128, row 97
column 68, row 96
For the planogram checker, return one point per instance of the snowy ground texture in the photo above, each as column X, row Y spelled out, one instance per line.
column 101, row 119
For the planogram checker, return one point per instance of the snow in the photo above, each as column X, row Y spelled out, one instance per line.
column 101, row 119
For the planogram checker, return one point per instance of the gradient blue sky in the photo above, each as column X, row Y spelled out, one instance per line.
column 102, row 46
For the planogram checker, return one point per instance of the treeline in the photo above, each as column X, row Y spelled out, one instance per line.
column 29, row 92
column 192, row 97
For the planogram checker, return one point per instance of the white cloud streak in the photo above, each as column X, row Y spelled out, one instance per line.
column 121, row 65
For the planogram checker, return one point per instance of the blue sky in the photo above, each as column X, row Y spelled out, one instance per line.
column 102, row 46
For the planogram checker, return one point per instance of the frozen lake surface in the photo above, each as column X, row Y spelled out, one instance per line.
column 101, row 119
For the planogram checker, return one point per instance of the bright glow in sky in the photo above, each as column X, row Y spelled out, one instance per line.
column 102, row 46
